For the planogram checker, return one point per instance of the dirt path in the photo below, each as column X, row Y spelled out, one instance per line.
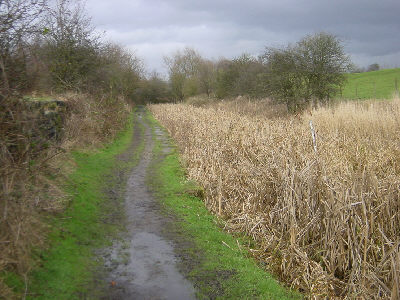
column 143, row 264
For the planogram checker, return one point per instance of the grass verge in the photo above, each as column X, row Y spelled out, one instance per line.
column 67, row 266
column 219, row 266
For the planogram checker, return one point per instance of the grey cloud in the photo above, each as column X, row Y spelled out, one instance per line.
column 370, row 28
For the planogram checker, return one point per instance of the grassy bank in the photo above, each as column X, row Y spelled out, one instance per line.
column 217, row 262
column 66, row 270
column 372, row 85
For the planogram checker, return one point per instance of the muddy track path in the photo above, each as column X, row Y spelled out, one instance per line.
column 143, row 264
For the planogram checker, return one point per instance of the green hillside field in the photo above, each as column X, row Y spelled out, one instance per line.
column 380, row 84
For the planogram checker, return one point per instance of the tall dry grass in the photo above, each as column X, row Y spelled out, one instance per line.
column 326, row 221
column 29, row 161
column 242, row 105
column 93, row 121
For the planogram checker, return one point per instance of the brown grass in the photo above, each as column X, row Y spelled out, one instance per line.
column 27, row 159
column 93, row 121
column 326, row 222
column 242, row 105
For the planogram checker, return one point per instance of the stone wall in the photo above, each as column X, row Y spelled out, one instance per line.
column 49, row 115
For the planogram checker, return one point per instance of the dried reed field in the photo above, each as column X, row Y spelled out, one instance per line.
column 326, row 219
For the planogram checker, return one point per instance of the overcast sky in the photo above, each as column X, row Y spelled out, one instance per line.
column 370, row 29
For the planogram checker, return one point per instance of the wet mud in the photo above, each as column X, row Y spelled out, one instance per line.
column 143, row 263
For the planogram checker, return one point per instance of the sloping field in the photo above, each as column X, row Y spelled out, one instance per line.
column 372, row 85
column 325, row 221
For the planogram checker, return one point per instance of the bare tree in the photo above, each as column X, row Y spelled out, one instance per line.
column 183, row 68
column 206, row 76
column 18, row 20
column 118, row 72
column 71, row 44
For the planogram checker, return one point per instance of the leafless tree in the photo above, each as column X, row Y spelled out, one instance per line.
column 70, row 44
column 18, row 20
column 183, row 69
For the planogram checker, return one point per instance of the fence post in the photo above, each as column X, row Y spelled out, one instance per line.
column 314, row 137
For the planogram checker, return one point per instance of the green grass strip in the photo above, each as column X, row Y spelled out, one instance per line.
column 67, row 266
column 222, row 270
column 372, row 85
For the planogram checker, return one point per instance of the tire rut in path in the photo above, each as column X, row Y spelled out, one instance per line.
column 144, row 265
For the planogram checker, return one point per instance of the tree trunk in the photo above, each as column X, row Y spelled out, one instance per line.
column 5, row 84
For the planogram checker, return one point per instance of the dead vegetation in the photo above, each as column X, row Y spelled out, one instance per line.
column 326, row 219
column 93, row 121
column 33, row 166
